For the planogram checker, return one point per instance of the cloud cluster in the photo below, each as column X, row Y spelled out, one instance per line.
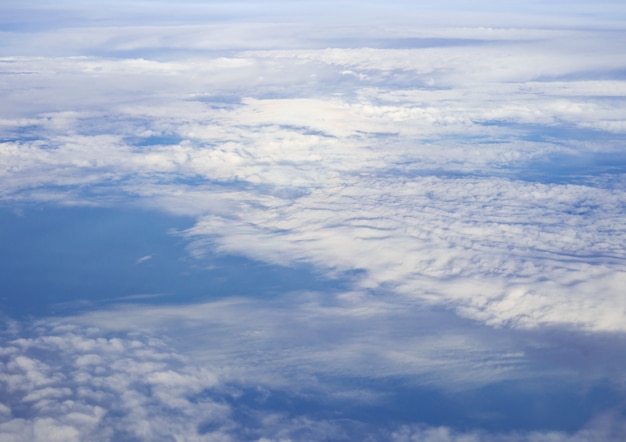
column 243, row 370
column 67, row 383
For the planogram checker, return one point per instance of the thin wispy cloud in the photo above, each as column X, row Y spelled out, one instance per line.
column 144, row 259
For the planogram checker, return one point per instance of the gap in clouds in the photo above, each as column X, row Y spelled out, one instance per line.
column 58, row 260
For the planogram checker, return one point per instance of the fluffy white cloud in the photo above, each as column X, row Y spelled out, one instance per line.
column 70, row 383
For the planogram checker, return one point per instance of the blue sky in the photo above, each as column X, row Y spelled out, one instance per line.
column 312, row 221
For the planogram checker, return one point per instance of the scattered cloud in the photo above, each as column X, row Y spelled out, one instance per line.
column 106, row 376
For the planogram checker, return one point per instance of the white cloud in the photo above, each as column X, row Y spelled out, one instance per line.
column 75, row 384
column 235, row 336
column 485, row 245
column 134, row 386
column 144, row 259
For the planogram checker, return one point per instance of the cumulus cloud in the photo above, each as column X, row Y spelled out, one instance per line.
column 69, row 383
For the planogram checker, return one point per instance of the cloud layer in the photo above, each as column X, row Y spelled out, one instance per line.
column 67, row 381
column 462, row 176
column 465, row 183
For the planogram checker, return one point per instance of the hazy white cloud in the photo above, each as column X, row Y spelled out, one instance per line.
column 395, row 338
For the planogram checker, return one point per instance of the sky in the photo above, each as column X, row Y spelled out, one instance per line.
column 312, row 221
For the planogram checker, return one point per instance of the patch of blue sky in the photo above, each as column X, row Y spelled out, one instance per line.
column 397, row 80
column 219, row 101
column 396, row 400
column 401, row 43
column 590, row 74
column 60, row 260
column 21, row 134
column 155, row 140
column 439, row 173
column 158, row 54
column 586, row 168
column 191, row 181
column 555, row 133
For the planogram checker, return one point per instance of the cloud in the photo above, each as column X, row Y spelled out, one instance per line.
column 485, row 245
column 296, row 330
column 144, row 259
column 70, row 383
column 202, row 373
